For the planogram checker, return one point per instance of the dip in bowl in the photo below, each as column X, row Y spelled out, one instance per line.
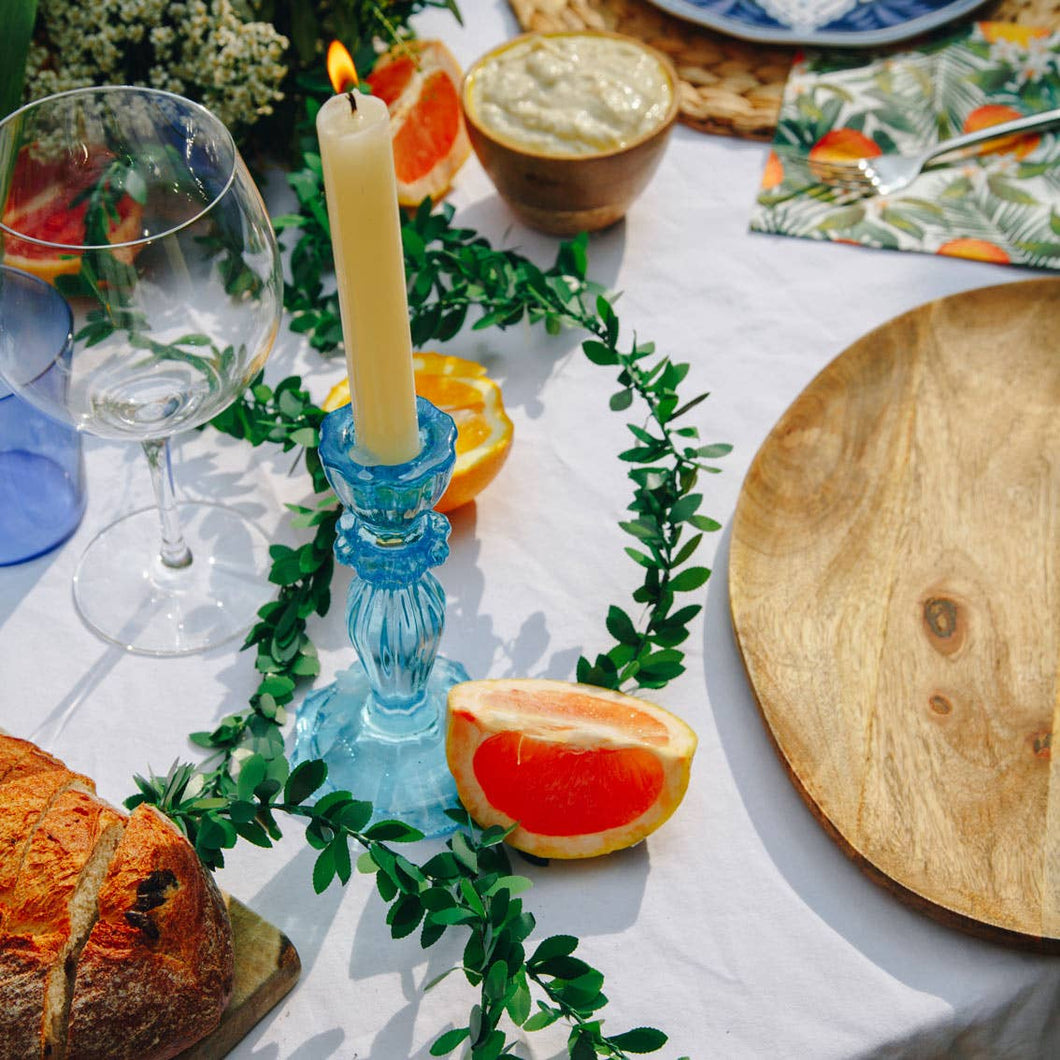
column 570, row 126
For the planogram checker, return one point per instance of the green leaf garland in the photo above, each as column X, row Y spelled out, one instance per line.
column 245, row 785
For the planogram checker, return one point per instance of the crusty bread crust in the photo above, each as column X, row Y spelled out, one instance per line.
column 20, row 758
column 157, row 969
column 23, row 803
column 37, row 921
column 131, row 937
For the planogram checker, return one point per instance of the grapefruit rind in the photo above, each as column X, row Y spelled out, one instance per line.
column 528, row 751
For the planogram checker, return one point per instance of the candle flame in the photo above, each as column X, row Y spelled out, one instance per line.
column 341, row 71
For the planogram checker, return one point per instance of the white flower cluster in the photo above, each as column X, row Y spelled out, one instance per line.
column 197, row 48
column 1033, row 55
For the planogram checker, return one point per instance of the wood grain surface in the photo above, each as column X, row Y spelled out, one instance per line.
column 266, row 968
column 895, row 594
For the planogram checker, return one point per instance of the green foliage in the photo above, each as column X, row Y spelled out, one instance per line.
column 454, row 273
column 454, row 277
column 357, row 23
column 16, row 16
column 284, row 415
column 469, row 884
column 250, row 62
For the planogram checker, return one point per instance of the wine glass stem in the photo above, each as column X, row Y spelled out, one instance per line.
column 174, row 552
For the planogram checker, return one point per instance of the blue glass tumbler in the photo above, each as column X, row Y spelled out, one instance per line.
column 42, row 479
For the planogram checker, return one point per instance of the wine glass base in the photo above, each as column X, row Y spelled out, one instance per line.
column 126, row 595
column 403, row 774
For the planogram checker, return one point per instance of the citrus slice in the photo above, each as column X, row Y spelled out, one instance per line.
column 483, row 430
column 419, row 82
column 46, row 201
column 996, row 32
column 773, row 173
column 1019, row 144
column 582, row 770
column 975, row 249
column 844, row 145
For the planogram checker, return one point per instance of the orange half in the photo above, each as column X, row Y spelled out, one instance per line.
column 580, row 770
column 483, row 430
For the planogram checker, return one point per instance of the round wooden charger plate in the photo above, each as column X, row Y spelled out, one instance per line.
column 895, row 594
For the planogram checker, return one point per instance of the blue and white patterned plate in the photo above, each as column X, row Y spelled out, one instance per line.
column 823, row 23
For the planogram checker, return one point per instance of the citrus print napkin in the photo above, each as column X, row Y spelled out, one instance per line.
column 1002, row 206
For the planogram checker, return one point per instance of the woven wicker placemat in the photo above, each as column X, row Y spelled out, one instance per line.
column 728, row 86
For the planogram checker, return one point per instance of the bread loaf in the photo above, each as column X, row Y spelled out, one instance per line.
column 20, row 758
column 114, row 940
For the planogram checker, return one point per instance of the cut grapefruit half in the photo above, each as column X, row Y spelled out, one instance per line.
column 580, row 770
column 47, row 202
column 419, row 82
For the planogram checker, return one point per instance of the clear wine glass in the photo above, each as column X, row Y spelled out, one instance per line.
column 136, row 205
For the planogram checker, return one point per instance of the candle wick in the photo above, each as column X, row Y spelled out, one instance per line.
column 353, row 101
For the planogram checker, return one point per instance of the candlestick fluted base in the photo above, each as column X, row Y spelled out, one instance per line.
column 403, row 774
column 380, row 727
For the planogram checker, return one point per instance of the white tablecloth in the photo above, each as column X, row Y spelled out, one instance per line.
column 738, row 928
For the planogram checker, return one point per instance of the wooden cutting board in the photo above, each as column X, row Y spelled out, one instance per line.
column 266, row 968
column 895, row 594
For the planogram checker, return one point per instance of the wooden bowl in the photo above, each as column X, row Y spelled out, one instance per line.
column 564, row 194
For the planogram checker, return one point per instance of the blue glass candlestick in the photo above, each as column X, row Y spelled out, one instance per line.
column 380, row 727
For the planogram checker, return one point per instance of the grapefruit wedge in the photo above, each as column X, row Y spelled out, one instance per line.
column 580, row 770
column 47, row 201
column 419, row 82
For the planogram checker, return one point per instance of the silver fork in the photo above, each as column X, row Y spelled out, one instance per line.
column 885, row 174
